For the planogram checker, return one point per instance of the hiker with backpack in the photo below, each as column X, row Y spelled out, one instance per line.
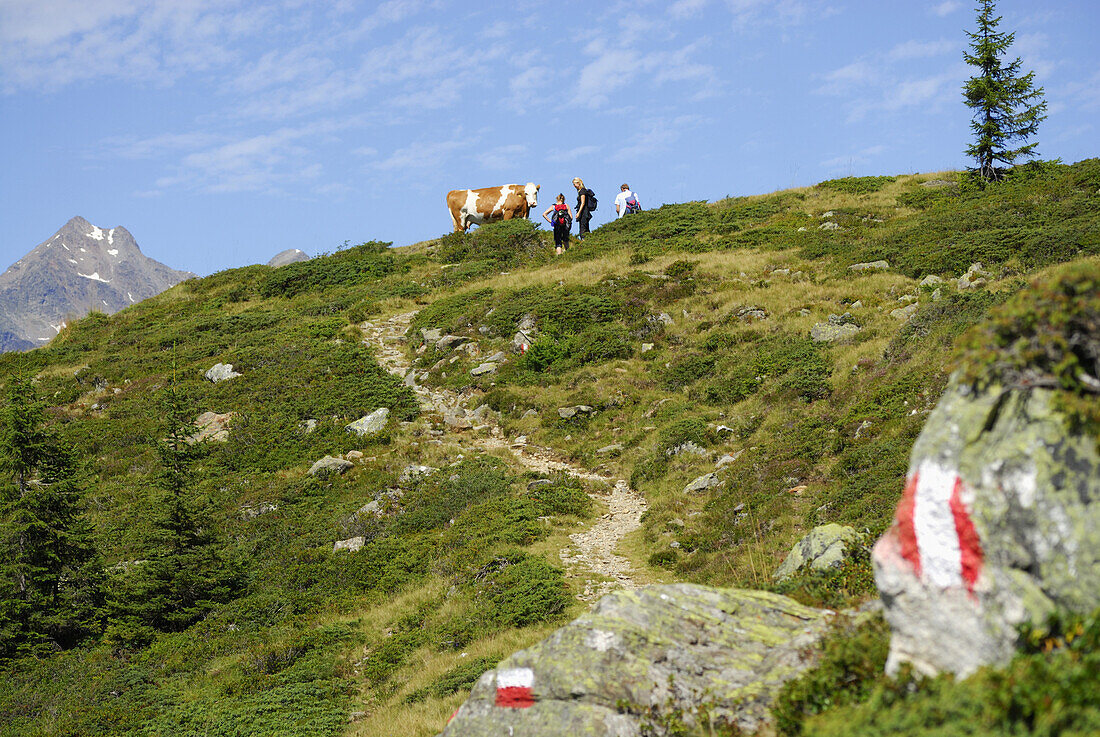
column 562, row 222
column 626, row 203
column 586, row 205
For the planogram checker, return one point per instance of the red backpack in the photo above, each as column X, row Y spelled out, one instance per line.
column 561, row 215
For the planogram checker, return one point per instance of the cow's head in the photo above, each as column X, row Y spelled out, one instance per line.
column 531, row 192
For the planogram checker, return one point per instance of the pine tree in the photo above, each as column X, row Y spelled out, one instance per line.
column 51, row 579
column 1007, row 106
column 186, row 574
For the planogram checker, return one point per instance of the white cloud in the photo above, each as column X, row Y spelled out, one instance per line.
column 130, row 147
column 528, row 88
column 945, row 9
column 901, row 78
column 922, row 49
column 502, row 157
column 428, row 155
column 848, row 77
column 686, row 8
column 615, row 68
column 48, row 44
column 1084, row 95
column 653, row 136
column 258, row 162
column 850, row 160
column 611, row 70
column 754, row 14
column 573, row 154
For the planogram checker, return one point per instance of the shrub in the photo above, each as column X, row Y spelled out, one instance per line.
column 856, row 185
column 851, row 662
column 1047, row 689
column 456, row 679
column 522, row 590
column 351, row 266
column 566, row 495
column 508, row 243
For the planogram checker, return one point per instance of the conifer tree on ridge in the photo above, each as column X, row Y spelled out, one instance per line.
column 1007, row 106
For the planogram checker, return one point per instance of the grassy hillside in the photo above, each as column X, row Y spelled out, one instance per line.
column 686, row 328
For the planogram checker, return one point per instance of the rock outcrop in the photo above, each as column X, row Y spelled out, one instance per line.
column 1000, row 519
column 212, row 426
column 220, row 372
column 371, row 424
column 822, row 548
column 640, row 655
column 289, row 256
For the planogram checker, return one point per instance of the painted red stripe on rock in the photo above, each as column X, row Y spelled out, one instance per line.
column 970, row 545
column 515, row 697
column 907, row 531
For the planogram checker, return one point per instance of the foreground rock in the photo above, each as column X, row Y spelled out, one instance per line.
column 999, row 523
column 652, row 652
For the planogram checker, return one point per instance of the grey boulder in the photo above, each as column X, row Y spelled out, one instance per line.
column 822, row 548
column 828, row 333
column 329, row 465
column 999, row 524
column 647, row 654
column 706, row 482
column 220, row 372
column 870, row 266
column 371, row 424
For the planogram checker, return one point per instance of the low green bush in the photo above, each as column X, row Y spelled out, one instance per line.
column 1048, row 689
column 521, row 591
column 850, row 665
column 565, row 496
column 856, row 185
column 348, row 267
column 507, row 244
column 457, row 679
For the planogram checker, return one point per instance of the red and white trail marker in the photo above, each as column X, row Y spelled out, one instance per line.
column 936, row 533
column 515, row 688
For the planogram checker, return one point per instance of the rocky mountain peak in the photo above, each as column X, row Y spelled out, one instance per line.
column 80, row 268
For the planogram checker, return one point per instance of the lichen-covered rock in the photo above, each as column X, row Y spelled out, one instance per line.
column 212, row 426
column 828, row 333
column 706, row 482
column 821, row 549
column 415, row 472
column 870, row 266
column 1000, row 519
column 653, row 651
column 370, row 424
column 448, row 342
column 352, row 544
column 220, row 372
column 999, row 524
column 329, row 465
column 905, row 313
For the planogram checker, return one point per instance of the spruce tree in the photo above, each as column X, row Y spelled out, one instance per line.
column 1007, row 106
column 187, row 573
column 51, row 578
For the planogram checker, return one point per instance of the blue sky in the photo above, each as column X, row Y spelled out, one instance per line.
column 220, row 132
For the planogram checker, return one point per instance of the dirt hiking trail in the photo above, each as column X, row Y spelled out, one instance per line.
column 592, row 552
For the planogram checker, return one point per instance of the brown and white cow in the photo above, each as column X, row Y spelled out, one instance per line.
column 479, row 206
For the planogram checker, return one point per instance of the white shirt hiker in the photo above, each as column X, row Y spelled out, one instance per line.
column 620, row 201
